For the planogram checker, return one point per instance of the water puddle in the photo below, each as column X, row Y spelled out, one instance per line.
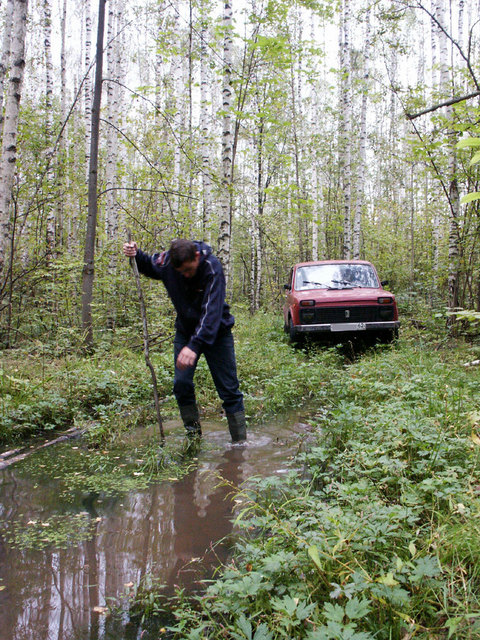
column 78, row 534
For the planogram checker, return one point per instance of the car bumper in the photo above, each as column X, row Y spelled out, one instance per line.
column 345, row 327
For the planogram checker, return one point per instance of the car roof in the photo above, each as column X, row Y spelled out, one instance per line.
column 315, row 262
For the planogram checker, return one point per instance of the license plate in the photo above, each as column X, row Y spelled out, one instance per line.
column 349, row 326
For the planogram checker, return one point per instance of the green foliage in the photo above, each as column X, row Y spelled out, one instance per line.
column 59, row 531
column 104, row 392
column 110, row 392
column 362, row 542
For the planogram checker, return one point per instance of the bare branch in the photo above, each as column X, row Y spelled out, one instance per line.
column 448, row 103
column 434, row 19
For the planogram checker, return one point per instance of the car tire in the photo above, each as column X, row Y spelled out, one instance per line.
column 295, row 337
column 387, row 336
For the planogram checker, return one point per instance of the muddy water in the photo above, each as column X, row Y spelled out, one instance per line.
column 169, row 531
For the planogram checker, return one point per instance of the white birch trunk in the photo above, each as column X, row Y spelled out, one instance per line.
column 5, row 54
column 111, row 133
column 253, row 264
column 206, row 145
column 61, row 158
column 158, row 62
column 361, row 186
column 49, row 177
column 178, row 87
column 121, row 73
column 435, row 83
column 345, row 120
column 10, row 129
column 224, row 241
column 316, row 218
column 87, row 84
column 433, row 41
column 460, row 39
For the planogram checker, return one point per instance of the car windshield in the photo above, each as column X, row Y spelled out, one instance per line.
column 335, row 276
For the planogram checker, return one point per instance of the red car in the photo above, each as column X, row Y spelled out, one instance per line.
column 341, row 297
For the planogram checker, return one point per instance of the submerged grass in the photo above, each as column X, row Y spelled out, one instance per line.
column 382, row 540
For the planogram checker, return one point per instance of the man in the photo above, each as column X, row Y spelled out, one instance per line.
column 194, row 280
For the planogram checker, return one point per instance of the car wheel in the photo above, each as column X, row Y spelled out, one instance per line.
column 292, row 332
column 387, row 336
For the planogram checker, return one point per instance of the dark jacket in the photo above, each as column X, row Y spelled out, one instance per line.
column 199, row 301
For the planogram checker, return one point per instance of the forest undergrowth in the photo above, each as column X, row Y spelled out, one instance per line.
column 378, row 537
column 49, row 386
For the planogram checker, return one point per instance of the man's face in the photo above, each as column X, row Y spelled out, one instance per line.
column 189, row 269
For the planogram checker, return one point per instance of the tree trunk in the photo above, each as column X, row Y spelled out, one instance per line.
column 49, row 176
column 10, row 128
column 454, row 248
column 361, row 187
column 206, row 145
column 345, row 128
column 5, row 54
column 89, row 254
column 62, row 150
column 112, row 141
column 87, row 85
column 224, row 241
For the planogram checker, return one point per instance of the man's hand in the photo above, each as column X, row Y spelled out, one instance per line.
column 186, row 358
column 130, row 249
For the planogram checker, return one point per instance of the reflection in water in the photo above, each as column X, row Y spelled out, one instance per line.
column 169, row 531
column 202, row 517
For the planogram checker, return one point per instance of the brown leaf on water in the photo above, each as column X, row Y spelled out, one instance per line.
column 101, row 610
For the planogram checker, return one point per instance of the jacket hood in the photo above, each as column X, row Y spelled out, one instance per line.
column 204, row 248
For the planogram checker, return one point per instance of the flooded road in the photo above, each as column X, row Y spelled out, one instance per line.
column 119, row 538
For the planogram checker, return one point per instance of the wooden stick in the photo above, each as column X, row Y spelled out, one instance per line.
column 146, row 341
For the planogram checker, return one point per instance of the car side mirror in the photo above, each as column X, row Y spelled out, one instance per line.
column 384, row 283
column 287, row 287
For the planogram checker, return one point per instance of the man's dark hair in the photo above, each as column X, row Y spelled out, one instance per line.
column 182, row 251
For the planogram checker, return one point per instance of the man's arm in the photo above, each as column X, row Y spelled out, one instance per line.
column 149, row 265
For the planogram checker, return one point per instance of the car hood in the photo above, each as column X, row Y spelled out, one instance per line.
column 338, row 296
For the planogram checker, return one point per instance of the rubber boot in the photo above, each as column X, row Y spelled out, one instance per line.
column 237, row 426
column 191, row 420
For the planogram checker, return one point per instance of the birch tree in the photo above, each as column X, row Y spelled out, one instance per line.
column 112, row 91
column 62, row 149
column 357, row 220
column 10, row 127
column 49, row 178
column 5, row 54
column 345, row 125
column 87, row 83
column 226, row 195
column 206, row 142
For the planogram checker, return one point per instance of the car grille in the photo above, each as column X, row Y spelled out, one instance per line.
column 331, row 315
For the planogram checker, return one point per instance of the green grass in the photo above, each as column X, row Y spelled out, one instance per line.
column 382, row 538
column 110, row 391
column 377, row 537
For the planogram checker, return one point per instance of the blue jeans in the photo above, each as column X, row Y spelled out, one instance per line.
column 220, row 357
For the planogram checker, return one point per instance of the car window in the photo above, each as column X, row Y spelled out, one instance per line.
column 335, row 276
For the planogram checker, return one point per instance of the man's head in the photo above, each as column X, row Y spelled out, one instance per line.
column 184, row 257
